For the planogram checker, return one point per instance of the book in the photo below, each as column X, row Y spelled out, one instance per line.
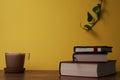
column 90, row 52
column 95, row 49
column 110, row 77
column 85, row 69
column 90, row 57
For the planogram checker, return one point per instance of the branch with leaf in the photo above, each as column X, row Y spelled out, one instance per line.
column 92, row 20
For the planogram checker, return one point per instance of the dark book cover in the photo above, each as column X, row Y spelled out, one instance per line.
column 90, row 53
column 95, row 49
column 83, row 69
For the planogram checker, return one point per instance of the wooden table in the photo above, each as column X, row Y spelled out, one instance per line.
column 49, row 75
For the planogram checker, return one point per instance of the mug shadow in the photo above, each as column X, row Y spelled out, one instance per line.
column 14, row 76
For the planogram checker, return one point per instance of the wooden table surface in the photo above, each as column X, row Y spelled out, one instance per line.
column 49, row 75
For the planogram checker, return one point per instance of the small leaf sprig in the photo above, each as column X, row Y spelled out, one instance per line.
column 91, row 20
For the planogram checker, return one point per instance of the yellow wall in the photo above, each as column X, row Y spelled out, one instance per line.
column 48, row 29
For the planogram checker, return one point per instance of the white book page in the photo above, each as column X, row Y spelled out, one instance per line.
column 84, row 49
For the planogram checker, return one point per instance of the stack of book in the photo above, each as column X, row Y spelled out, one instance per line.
column 89, row 61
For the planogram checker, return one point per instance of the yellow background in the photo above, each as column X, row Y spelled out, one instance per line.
column 48, row 29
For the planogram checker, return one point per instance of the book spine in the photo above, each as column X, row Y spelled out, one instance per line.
column 90, row 53
column 92, row 49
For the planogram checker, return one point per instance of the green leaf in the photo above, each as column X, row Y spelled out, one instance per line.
column 90, row 18
column 99, row 5
column 97, row 8
column 88, row 27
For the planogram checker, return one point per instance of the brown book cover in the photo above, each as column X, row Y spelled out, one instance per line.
column 90, row 57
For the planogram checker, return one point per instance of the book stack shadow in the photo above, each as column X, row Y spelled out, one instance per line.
column 89, row 61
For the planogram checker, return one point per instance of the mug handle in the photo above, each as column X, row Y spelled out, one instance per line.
column 28, row 56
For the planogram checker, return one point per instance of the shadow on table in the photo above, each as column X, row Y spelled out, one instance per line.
column 12, row 76
column 110, row 77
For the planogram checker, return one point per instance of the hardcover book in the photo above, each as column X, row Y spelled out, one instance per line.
column 96, row 49
column 85, row 69
column 90, row 57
